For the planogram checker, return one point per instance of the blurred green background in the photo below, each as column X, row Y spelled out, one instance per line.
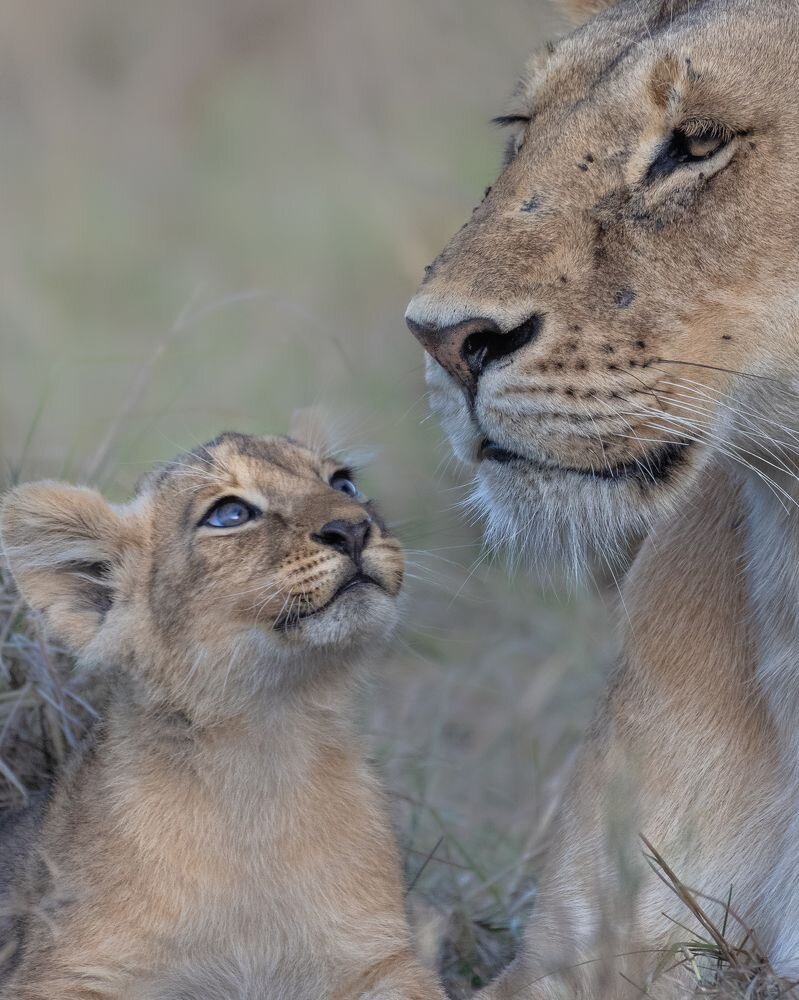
column 215, row 212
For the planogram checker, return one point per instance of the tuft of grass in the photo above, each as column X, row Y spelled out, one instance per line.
column 724, row 958
column 470, row 930
column 45, row 705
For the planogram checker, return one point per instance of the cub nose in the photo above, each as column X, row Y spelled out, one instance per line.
column 347, row 537
column 466, row 349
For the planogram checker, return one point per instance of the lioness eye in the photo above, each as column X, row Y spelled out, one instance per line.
column 229, row 512
column 699, row 147
column 696, row 147
column 342, row 482
column 685, row 148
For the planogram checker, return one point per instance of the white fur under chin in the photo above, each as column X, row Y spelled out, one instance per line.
column 358, row 617
column 564, row 522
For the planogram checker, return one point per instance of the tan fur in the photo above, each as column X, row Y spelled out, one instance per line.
column 651, row 404
column 221, row 836
column 581, row 10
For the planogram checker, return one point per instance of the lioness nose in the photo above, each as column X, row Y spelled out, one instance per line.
column 348, row 537
column 466, row 349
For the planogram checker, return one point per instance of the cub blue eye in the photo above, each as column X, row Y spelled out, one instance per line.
column 343, row 483
column 229, row 513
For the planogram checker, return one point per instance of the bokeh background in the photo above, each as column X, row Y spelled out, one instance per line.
column 215, row 211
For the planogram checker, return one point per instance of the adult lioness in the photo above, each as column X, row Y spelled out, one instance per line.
column 614, row 341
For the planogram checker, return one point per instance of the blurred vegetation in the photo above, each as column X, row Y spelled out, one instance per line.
column 214, row 213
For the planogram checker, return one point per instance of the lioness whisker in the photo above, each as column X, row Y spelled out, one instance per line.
column 734, row 454
column 778, row 464
column 732, row 371
column 736, row 407
column 755, row 436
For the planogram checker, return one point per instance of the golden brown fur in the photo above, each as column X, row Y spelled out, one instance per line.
column 615, row 351
column 221, row 837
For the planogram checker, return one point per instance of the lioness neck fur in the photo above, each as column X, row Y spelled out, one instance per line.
column 614, row 350
column 221, row 837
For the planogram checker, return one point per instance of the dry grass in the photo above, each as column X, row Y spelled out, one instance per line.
column 724, row 957
column 44, row 705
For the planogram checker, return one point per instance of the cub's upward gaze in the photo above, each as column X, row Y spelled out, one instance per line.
column 614, row 349
column 221, row 837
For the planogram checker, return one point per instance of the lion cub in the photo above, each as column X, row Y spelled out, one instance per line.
column 221, row 836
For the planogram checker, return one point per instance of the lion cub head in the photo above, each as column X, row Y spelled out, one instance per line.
column 245, row 564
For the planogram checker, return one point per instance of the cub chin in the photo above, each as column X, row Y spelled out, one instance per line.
column 220, row 836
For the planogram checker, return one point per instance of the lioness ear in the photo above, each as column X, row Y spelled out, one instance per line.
column 62, row 543
column 583, row 10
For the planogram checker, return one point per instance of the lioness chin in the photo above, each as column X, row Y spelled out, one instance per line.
column 614, row 349
column 221, row 837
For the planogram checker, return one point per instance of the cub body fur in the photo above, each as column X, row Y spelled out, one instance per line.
column 614, row 351
column 220, row 834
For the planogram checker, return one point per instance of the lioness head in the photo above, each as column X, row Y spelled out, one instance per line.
column 623, row 302
column 243, row 564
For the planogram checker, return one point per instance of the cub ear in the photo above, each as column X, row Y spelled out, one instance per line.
column 62, row 544
column 580, row 11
